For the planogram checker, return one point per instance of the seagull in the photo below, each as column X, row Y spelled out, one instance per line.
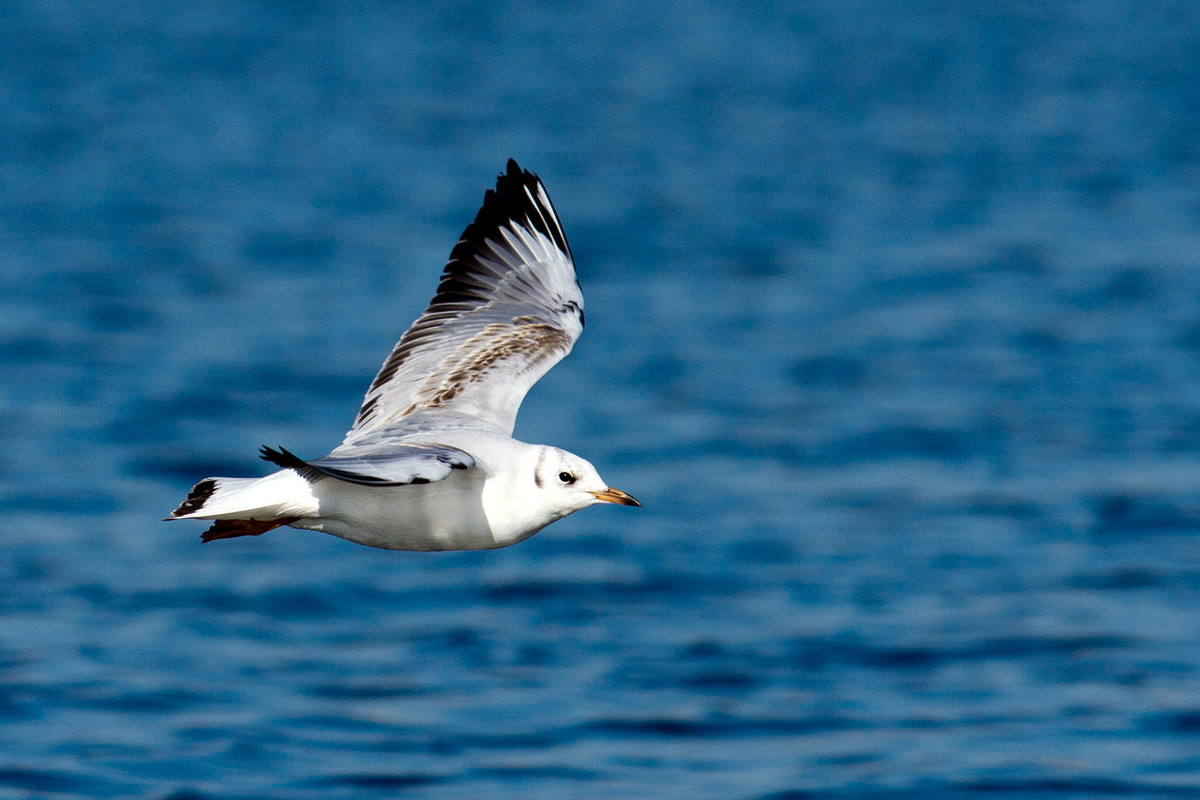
column 430, row 462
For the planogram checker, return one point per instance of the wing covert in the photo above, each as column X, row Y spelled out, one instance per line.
column 400, row 465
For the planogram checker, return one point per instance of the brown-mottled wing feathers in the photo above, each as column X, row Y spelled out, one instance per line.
column 508, row 308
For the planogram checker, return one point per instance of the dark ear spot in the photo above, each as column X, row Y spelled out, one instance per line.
column 537, row 471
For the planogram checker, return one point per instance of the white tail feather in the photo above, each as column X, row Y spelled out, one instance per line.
column 282, row 494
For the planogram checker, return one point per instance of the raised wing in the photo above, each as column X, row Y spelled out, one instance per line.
column 508, row 308
column 400, row 465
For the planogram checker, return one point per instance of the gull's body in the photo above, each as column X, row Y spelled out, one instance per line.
column 430, row 462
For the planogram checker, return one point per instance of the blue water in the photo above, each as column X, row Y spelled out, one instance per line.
column 894, row 328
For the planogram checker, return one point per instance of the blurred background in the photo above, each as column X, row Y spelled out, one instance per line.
column 894, row 328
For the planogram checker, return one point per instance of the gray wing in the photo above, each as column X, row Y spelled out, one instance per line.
column 508, row 308
column 400, row 465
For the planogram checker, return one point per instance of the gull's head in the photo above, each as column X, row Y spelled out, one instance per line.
column 568, row 483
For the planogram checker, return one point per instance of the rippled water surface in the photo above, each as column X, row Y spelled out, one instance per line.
column 894, row 328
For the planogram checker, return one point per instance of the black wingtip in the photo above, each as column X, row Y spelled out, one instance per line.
column 196, row 498
column 281, row 458
column 288, row 460
column 514, row 171
column 520, row 197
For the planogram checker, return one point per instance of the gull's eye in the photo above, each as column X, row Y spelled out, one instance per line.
column 566, row 478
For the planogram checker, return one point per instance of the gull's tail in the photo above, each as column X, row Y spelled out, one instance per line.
column 248, row 506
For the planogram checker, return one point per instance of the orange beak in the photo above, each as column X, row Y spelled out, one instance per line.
column 611, row 495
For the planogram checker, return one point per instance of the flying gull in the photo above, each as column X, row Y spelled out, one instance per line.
column 430, row 462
